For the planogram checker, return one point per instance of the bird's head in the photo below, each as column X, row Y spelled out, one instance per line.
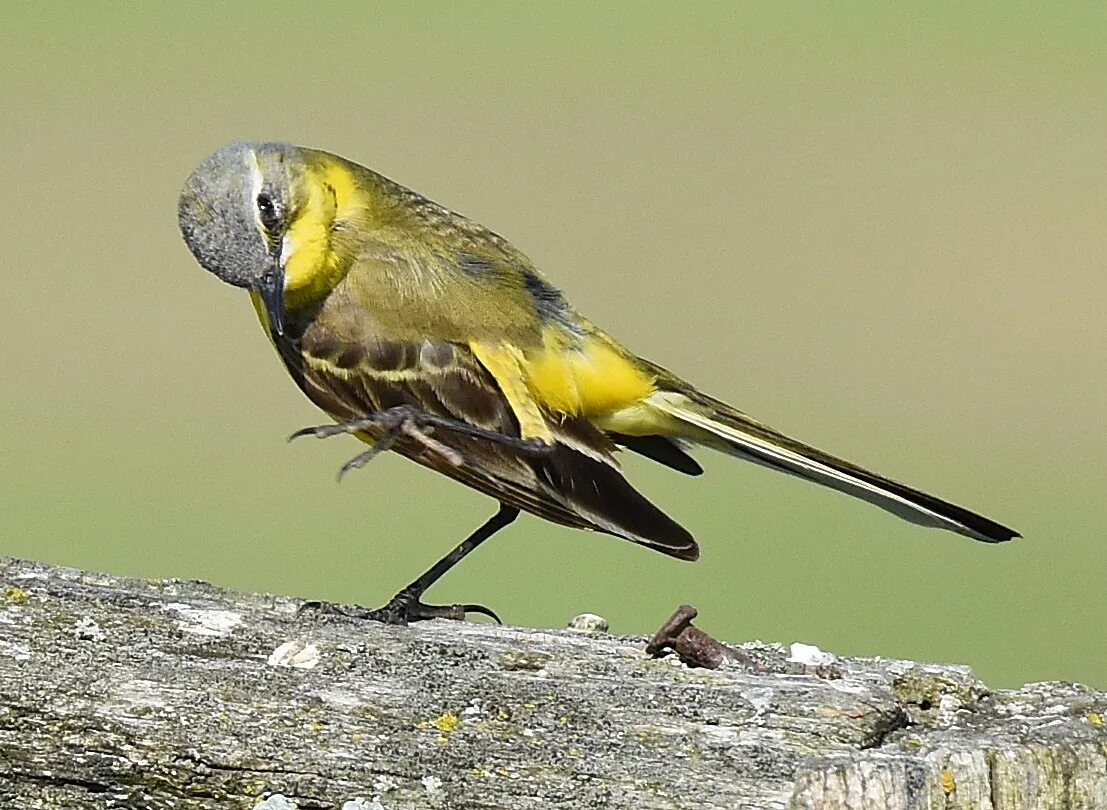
column 261, row 215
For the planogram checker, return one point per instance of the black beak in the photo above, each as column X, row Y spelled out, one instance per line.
column 271, row 290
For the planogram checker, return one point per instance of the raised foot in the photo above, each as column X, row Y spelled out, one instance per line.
column 418, row 425
column 403, row 609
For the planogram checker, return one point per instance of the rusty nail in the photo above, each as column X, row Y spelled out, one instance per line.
column 693, row 646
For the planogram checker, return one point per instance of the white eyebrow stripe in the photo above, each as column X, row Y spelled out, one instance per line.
column 257, row 183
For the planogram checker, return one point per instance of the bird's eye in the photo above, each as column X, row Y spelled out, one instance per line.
column 267, row 212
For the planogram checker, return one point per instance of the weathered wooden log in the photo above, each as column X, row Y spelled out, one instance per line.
column 168, row 694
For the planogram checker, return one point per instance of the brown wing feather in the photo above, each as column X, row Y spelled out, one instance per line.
column 578, row 484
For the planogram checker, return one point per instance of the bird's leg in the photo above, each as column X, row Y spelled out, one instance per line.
column 408, row 606
column 407, row 420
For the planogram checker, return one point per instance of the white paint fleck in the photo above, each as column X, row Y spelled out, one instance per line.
column 296, row 654
column 947, row 709
column 31, row 575
column 720, row 736
column 1060, row 721
column 362, row 804
column 89, row 630
column 20, row 652
column 473, row 709
column 431, row 783
column 277, row 802
column 205, row 622
column 809, row 655
column 384, row 783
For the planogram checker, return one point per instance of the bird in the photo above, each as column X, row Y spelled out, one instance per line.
column 424, row 333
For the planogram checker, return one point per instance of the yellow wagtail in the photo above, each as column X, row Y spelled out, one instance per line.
column 423, row 332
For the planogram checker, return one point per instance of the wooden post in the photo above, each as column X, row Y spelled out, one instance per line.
column 167, row 694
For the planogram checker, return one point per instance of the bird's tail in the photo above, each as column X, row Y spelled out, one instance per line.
column 696, row 417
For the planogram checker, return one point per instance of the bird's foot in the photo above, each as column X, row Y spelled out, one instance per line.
column 388, row 420
column 404, row 608
column 416, row 424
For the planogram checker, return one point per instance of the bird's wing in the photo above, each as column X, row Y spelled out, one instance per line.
column 577, row 483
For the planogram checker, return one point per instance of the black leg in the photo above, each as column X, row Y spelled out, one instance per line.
column 407, row 605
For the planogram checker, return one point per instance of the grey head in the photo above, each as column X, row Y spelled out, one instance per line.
column 231, row 213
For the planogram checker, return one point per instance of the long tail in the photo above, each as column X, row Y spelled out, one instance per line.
column 704, row 420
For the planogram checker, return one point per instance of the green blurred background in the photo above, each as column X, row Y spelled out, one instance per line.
column 884, row 232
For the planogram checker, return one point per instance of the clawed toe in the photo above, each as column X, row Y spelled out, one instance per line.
column 363, row 458
column 406, row 607
column 482, row 610
column 401, row 610
column 419, row 611
column 326, row 431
